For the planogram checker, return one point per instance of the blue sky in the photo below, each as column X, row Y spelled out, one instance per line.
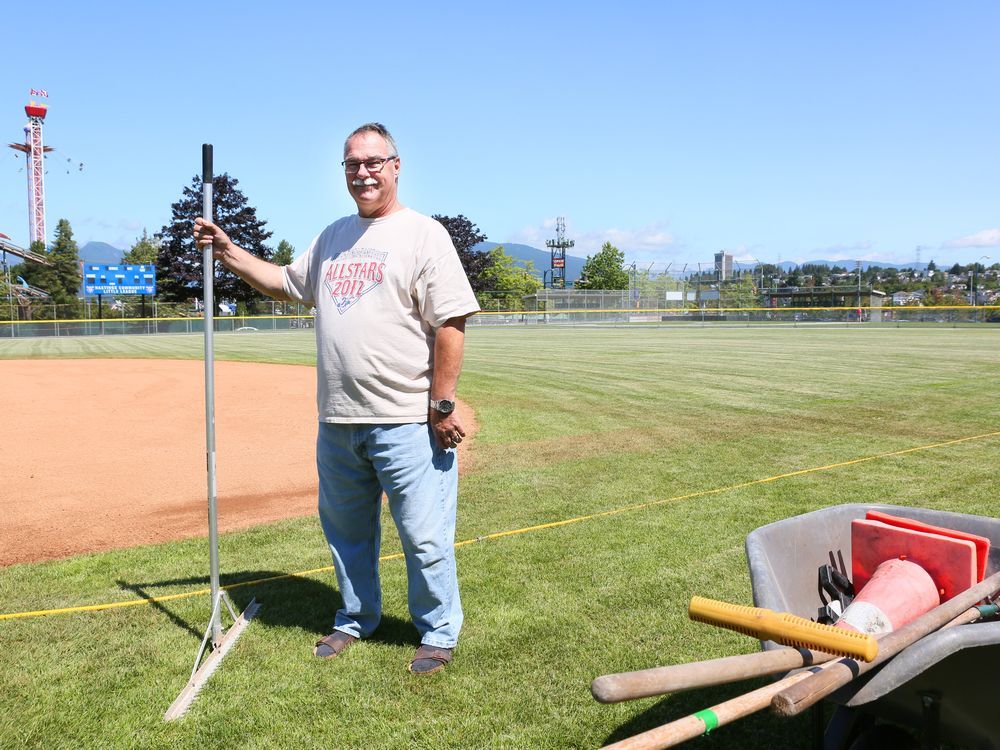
column 774, row 130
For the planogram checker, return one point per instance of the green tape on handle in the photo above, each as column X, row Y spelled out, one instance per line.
column 709, row 718
column 988, row 610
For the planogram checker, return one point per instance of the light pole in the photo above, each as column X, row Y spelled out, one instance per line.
column 633, row 285
column 761, row 267
column 975, row 291
column 859, row 289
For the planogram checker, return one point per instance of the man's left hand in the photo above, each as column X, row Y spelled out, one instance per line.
column 448, row 430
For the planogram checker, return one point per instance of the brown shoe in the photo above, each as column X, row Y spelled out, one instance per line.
column 430, row 659
column 333, row 645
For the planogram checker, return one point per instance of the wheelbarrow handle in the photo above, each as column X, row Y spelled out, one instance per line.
column 801, row 696
column 702, row 722
column 643, row 683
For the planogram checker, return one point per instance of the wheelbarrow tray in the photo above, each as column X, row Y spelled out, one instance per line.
column 955, row 665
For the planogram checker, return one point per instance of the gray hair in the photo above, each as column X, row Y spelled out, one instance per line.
column 378, row 129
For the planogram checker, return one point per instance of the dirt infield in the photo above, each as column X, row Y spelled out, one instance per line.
column 103, row 454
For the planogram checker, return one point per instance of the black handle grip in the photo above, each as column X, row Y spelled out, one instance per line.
column 206, row 162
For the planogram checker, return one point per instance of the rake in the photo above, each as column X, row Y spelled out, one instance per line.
column 221, row 641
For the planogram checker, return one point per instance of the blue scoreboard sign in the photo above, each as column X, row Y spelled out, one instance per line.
column 119, row 279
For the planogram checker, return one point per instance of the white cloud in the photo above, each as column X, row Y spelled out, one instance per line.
column 985, row 238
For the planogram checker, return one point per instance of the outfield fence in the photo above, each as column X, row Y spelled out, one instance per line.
column 150, row 326
column 788, row 317
column 747, row 316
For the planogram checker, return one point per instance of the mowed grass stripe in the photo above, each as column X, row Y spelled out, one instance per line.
column 574, row 422
column 501, row 534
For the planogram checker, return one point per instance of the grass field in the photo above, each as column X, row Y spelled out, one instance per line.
column 574, row 422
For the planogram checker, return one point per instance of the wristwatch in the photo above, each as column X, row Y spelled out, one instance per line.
column 444, row 406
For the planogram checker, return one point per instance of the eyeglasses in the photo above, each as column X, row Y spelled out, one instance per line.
column 352, row 166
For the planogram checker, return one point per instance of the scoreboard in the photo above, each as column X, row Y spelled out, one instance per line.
column 119, row 279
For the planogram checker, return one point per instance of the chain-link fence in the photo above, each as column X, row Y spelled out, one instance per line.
column 133, row 315
column 696, row 306
column 748, row 316
column 27, row 309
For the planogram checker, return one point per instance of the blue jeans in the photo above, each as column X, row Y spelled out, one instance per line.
column 356, row 462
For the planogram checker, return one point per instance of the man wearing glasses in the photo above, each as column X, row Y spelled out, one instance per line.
column 391, row 299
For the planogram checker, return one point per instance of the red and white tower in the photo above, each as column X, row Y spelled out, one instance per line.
column 35, row 152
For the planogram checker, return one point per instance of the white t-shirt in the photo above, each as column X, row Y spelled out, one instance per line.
column 381, row 288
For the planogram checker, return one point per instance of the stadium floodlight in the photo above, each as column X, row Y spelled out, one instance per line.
column 221, row 642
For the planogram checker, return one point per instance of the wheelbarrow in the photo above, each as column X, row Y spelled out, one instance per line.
column 940, row 685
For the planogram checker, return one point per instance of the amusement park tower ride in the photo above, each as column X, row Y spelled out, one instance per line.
column 35, row 151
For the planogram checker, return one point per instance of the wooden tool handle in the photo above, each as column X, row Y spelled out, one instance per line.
column 705, row 721
column 784, row 628
column 726, row 712
column 624, row 686
column 808, row 692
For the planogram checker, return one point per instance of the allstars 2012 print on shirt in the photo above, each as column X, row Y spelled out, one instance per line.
column 353, row 274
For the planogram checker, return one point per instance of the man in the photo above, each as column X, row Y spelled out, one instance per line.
column 391, row 299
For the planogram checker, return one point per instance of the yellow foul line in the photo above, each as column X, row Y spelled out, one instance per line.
column 500, row 534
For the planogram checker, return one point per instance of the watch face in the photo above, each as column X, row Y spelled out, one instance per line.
column 444, row 406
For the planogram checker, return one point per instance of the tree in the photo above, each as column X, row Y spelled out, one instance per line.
column 508, row 281
column 739, row 293
column 61, row 279
column 180, row 274
column 284, row 254
column 466, row 235
column 35, row 274
column 604, row 270
column 143, row 252
column 65, row 269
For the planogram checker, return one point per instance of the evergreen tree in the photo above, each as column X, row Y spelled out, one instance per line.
column 61, row 279
column 65, row 269
column 143, row 252
column 604, row 270
column 179, row 270
column 466, row 235
column 284, row 255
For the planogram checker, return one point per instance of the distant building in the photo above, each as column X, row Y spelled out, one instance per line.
column 723, row 266
column 827, row 296
column 908, row 298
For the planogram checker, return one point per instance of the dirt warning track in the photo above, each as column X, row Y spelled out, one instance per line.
column 103, row 454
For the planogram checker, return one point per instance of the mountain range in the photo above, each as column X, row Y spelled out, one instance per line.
column 101, row 253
